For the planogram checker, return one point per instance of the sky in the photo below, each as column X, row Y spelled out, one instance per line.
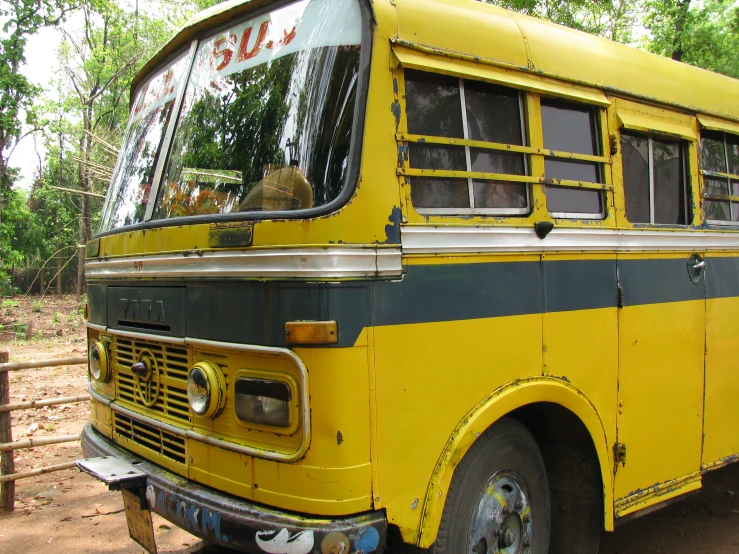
column 40, row 68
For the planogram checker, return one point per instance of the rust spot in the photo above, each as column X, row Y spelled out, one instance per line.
column 395, row 109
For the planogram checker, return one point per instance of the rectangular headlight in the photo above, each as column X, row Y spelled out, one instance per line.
column 262, row 401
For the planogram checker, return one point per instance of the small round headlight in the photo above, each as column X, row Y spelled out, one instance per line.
column 206, row 389
column 98, row 358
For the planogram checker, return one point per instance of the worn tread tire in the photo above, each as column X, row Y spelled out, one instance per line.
column 506, row 438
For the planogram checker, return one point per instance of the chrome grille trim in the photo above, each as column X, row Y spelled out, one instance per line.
column 226, row 445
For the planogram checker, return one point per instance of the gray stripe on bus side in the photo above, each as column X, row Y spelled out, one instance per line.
column 436, row 293
column 580, row 285
column 722, row 277
column 658, row 281
column 433, row 293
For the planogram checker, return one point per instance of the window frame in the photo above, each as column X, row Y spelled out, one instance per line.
column 597, row 130
column 685, row 172
column 530, row 113
column 728, row 177
column 469, row 175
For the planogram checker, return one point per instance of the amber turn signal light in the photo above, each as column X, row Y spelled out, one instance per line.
column 311, row 332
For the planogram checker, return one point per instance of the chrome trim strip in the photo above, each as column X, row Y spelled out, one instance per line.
column 96, row 327
column 144, row 336
column 433, row 240
column 326, row 263
column 226, row 445
column 149, row 421
column 97, row 396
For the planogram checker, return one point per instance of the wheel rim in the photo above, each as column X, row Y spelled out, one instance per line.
column 502, row 522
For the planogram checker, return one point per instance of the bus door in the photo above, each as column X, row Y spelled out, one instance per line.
column 662, row 292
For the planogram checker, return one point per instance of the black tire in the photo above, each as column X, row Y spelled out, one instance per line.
column 505, row 457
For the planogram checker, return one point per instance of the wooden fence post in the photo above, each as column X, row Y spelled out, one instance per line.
column 7, row 463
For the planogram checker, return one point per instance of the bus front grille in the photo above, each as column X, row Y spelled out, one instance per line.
column 172, row 367
column 157, row 440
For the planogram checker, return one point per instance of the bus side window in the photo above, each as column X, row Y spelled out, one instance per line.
column 571, row 127
column 433, row 109
column 448, row 107
column 655, row 184
column 720, row 155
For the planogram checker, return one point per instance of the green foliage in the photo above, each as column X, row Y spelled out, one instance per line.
column 57, row 317
column 40, row 228
column 705, row 34
column 613, row 19
column 9, row 303
column 22, row 18
column 37, row 306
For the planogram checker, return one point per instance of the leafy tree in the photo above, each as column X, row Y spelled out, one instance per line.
column 23, row 18
column 100, row 63
column 705, row 33
column 613, row 19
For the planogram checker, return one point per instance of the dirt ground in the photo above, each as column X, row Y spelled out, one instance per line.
column 68, row 512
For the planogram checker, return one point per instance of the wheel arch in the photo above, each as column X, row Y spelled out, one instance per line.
column 501, row 403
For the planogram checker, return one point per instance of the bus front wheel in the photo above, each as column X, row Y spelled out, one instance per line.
column 498, row 502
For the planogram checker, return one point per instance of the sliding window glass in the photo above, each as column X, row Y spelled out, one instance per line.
column 655, row 184
column 720, row 169
column 571, row 128
column 459, row 138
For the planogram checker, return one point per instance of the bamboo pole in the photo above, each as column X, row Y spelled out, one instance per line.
column 15, row 366
column 93, row 165
column 7, row 461
column 10, row 479
column 111, row 149
column 96, row 195
column 42, row 403
column 33, row 443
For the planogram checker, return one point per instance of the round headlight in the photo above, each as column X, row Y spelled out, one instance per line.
column 98, row 358
column 206, row 389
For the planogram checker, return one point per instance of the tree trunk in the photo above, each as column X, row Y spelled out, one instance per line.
column 85, row 228
column 683, row 7
column 59, row 272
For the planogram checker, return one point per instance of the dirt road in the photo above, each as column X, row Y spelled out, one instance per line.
column 68, row 512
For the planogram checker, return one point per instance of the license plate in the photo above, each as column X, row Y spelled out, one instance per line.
column 140, row 526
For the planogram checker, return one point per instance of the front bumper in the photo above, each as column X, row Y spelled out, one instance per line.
column 238, row 524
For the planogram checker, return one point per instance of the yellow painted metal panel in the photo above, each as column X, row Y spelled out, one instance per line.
column 659, row 493
column 716, row 124
column 451, row 25
column 429, row 376
column 660, row 418
column 101, row 417
column 415, row 59
column 581, row 348
column 646, row 124
column 721, row 426
column 314, row 490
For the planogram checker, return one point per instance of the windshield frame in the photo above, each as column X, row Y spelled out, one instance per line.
column 355, row 152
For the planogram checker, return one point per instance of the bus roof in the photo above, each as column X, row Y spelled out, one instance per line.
column 494, row 35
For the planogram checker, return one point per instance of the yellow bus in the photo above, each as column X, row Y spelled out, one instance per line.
column 427, row 274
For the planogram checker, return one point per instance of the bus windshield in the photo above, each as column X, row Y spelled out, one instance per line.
column 130, row 188
column 266, row 119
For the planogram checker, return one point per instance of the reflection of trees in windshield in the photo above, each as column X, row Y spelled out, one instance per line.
column 252, row 123
column 135, row 169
